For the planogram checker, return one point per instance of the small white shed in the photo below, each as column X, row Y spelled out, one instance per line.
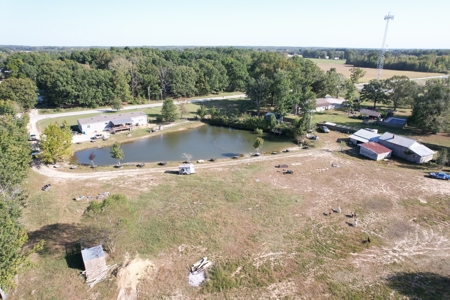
column 186, row 169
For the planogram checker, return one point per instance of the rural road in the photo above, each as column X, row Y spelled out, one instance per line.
column 58, row 174
column 36, row 117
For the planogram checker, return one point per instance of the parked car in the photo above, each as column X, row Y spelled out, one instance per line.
column 32, row 137
column 324, row 129
column 440, row 175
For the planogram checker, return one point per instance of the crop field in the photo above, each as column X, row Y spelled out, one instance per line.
column 341, row 67
column 268, row 235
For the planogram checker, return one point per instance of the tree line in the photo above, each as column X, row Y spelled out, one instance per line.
column 413, row 60
column 96, row 77
column 14, row 165
column 430, row 103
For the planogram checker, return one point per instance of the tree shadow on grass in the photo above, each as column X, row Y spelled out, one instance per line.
column 60, row 239
column 422, row 285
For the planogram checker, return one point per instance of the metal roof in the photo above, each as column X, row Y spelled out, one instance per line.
column 411, row 144
column 121, row 121
column 375, row 147
column 367, row 134
column 397, row 139
column 112, row 117
column 370, row 113
column 92, row 253
column 359, row 139
column 421, row 150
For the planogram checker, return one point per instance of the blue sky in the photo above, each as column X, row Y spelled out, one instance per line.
column 321, row 23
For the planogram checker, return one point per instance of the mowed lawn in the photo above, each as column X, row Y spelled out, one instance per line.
column 341, row 67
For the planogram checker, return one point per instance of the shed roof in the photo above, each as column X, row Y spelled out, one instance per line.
column 109, row 118
column 375, row 147
column 369, row 112
column 411, row 144
column 368, row 134
column 92, row 253
column 397, row 139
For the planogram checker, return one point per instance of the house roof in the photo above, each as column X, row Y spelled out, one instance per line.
column 411, row 144
column 364, row 135
column 122, row 121
column 369, row 112
column 109, row 118
column 321, row 102
column 375, row 147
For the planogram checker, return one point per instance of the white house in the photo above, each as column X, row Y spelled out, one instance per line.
column 374, row 151
column 106, row 122
column 364, row 136
column 328, row 103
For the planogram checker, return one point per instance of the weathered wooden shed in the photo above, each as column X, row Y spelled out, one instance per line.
column 374, row 151
column 186, row 169
column 94, row 263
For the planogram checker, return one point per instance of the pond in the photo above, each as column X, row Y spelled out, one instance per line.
column 203, row 142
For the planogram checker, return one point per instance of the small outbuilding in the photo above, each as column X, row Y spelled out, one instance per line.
column 406, row 148
column 374, row 151
column 364, row 136
column 370, row 113
column 94, row 263
column 186, row 169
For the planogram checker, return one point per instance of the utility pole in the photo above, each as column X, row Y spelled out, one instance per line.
column 148, row 89
column 383, row 45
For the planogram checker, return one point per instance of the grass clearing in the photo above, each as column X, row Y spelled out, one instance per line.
column 371, row 73
column 265, row 232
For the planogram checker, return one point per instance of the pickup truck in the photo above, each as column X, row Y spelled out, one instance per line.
column 440, row 175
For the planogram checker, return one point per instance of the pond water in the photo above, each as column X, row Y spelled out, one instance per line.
column 203, row 142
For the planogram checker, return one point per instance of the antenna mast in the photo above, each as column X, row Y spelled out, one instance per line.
column 383, row 49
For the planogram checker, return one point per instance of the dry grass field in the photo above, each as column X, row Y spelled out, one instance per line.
column 269, row 235
column 371, row 73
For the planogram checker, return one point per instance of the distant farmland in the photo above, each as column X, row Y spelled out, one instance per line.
column 341, row 67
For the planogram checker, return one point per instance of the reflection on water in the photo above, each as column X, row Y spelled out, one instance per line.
column 202, row 142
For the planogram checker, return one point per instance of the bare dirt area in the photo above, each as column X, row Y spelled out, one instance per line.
column 372, row 73
column 339, row 226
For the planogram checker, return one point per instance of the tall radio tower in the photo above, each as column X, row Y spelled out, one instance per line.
column 383, row 46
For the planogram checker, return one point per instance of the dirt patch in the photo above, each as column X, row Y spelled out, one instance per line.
column 129, row 276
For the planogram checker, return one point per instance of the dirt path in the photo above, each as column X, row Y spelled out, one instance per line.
column 62, row 175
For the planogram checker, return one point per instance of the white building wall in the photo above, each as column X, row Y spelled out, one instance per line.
column 93, row 127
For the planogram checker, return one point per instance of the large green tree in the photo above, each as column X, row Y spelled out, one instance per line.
column 21, row 90
column 401, row 90
column 375, row 91
column 117, row 152
column 281, row 88
column 431, row 108
column 169, row 111
column 182, row 81
column 56, row 143
column 258, row 91
column 14, row 150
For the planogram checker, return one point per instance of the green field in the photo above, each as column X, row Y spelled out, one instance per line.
column 328, row 61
